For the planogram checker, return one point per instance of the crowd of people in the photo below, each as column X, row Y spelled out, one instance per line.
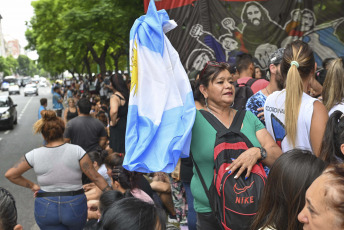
column 293, row 126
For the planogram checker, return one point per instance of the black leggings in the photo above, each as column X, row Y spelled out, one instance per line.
column 207, row 221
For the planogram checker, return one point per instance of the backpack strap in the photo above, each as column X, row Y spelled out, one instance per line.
column 237, row 121
column 217, row 125
column 206, row 190
column 250, row 82
column 200, row 177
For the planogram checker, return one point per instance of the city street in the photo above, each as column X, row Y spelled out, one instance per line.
column 14, row 144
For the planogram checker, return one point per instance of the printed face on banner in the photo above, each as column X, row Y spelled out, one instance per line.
column 256, row 32
column 229, row 44
column 200, row 61
column 254, row 15
column 307, row 21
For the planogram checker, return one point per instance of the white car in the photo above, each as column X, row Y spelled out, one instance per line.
column 30, row 89
column 42, row 84
column 13, row 89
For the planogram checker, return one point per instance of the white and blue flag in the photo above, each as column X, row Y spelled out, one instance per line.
column 161, row 105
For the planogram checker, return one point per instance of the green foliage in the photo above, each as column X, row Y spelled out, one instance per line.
column 23, row 66
column 74, row 34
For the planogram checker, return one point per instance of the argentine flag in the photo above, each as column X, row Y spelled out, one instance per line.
column 161, row 105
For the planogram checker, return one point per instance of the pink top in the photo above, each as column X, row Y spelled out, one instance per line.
column 256, row 86
column 138, row 193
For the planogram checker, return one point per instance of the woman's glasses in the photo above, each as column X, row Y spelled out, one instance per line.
column 213, row 63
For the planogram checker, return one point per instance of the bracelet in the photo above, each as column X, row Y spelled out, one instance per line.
column 105, row 189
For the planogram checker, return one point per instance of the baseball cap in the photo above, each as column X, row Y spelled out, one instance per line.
column 276, row 57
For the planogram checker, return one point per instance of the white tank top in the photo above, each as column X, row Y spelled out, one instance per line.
column 275, row 121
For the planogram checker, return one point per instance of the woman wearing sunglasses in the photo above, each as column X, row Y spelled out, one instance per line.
column 216, row 86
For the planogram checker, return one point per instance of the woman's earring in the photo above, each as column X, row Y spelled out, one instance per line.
column 232, row 104
column 206, row 102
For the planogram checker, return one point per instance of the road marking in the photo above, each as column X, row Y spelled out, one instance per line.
column 27, row 103
column 0, row 138
column 7, row 132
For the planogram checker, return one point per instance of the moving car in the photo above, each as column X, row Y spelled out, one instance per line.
column 30, row 89
column 43, row 84
column 25, row 81
column 8, row 112
column 4, row 86
column 7, row 81
column 13, row 89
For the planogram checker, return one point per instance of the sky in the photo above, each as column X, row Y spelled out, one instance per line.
column 14, row 15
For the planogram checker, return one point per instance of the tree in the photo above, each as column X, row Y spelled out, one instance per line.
column 75, row 35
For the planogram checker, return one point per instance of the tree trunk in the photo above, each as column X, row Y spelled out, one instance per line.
column 72, row 72
column 101, row 59
column 115, row 58
column 88, row 66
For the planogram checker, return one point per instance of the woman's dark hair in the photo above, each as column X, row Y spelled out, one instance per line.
column 127, row 179
column 84, row 106
column 120, row 85
column 8, row 210
column 101, row 116
column 132, row 214
column 51, row 126
column 198, row 96
column 114, row 159
column 210, row 72
column 333, row 138
column 108, row 198
column 300, row 52
column 284, row 193
column 95, row 157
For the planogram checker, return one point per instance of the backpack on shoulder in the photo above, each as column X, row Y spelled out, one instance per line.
column 234, row 202
column 243, row 92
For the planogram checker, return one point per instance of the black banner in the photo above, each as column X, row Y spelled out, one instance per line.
column 219, row 30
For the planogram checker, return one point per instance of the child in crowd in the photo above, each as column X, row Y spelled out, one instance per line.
column 44, row 104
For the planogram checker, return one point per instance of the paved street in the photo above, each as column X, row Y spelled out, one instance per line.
column 14, row 144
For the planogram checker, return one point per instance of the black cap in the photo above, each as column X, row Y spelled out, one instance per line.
column 276, row 57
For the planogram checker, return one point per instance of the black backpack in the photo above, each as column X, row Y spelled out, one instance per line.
column 243, row 92
column 234, row 202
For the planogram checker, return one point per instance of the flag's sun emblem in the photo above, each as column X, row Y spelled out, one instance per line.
column 134, row 72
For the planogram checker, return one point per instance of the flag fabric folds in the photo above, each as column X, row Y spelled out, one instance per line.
column 161, row 105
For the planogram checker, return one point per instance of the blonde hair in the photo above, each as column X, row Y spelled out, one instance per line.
column 333, row 91
column 301, row 53
column 70, row 99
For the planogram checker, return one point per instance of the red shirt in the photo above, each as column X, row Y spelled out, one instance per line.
column 256, row 86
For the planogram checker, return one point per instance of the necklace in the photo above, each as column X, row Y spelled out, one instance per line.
column 266, row 88
column 218, row 118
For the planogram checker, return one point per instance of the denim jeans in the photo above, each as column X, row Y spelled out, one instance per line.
column 191, row 211
column 61, row 212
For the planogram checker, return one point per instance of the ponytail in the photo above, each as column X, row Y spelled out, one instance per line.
column 294, row 91
column 333, row 92
column 333, row 138
column 297, row 65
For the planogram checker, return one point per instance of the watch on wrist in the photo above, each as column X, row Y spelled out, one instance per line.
column 263, row 153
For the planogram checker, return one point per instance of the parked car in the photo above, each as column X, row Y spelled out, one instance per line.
column 13, row 89
column 31, row 89
column 8, row 112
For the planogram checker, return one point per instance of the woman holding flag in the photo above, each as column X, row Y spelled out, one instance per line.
column 216, row 86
